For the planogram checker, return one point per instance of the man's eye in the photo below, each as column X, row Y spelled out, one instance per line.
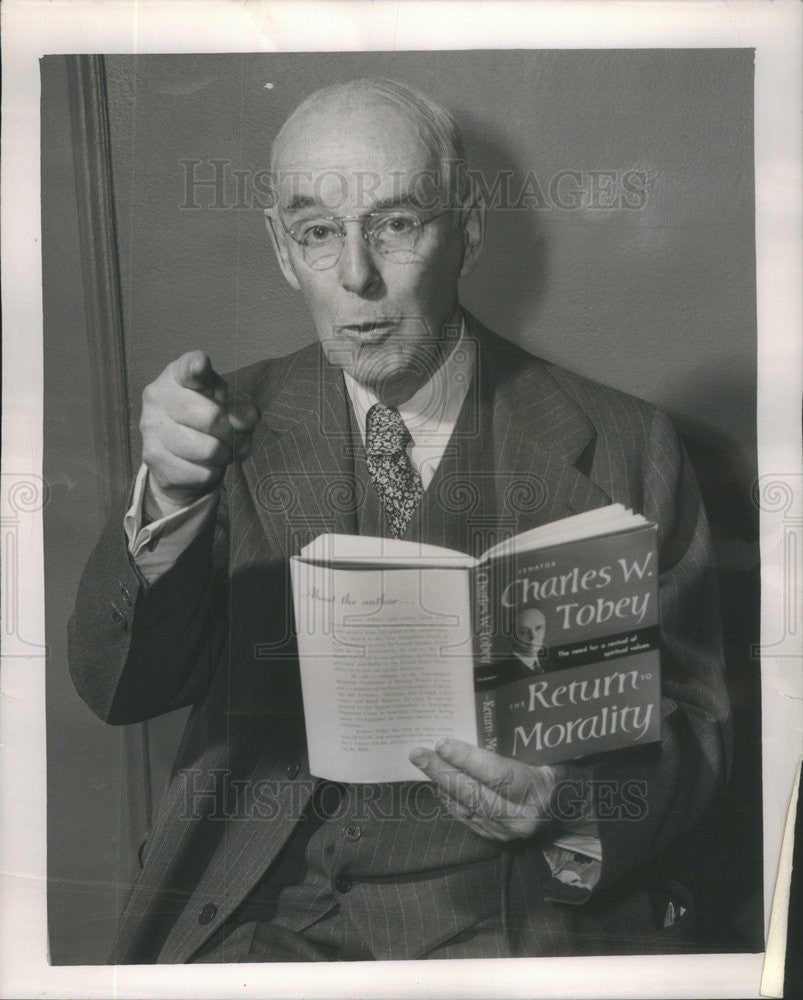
column 318, row 232
column 396, row 225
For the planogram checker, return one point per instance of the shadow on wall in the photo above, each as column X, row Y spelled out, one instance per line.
column 516, row 241
column 720, row 860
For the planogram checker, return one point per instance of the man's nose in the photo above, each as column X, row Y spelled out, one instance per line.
column 357, row 264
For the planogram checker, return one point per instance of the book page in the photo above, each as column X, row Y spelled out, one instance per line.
column 368, row 550
column 386, row 666
column 600, row 521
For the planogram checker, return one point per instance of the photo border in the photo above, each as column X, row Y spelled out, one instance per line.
column 32, row 28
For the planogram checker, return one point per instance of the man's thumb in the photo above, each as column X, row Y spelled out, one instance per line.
column 244, row 414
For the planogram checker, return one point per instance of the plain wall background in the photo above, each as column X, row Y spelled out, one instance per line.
column 657, row 300
column 652, row 300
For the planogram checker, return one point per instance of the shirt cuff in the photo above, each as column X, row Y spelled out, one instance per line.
column 156, row 546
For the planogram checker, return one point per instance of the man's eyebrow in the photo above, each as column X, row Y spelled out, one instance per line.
column 398, row 201
column 303, row 202
column 299, row 202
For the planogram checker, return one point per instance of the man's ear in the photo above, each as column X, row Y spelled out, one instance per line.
column 278, row 239
column 473, row 235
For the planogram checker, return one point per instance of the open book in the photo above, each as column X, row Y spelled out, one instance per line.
column 544, row 649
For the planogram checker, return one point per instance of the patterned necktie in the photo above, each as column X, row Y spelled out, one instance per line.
column 396, row 481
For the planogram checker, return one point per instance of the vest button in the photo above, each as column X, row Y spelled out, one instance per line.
column 352, row 831
column 207, row 913
column 292, row 769
column 343, row 884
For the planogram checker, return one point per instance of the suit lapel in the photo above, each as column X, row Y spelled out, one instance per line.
column 542, row 440
column 301, row 472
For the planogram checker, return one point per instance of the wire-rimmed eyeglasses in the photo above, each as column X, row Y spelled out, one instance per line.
column 392, row 233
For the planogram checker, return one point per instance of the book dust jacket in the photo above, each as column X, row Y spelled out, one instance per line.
column 567, row 648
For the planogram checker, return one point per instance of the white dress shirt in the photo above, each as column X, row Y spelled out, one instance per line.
column 431, row 413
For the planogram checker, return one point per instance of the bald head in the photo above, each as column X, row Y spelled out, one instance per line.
column 367, row 109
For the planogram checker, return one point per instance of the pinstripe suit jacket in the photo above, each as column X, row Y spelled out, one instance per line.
column 216, row 632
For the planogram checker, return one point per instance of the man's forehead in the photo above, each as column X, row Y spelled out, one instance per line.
column 532, row 616
column 337, row 191
column 358, row 156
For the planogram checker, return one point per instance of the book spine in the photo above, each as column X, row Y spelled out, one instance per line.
column 487, row 720
column 487, row 723
column 481, row 617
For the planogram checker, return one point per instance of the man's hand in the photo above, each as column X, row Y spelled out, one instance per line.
column 496, row 797
column 192, row 428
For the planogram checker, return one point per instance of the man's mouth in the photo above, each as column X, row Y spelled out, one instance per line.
column 370, row 332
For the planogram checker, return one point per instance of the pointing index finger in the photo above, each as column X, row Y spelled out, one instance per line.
column 194, row 370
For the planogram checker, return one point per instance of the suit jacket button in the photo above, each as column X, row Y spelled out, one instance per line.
column 126, row 594
column 119, row 619
column 352, row 831
column 342, row 884
column 292, row 769
column 207, row 913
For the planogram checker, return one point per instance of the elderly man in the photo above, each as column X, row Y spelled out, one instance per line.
column 372, row 430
